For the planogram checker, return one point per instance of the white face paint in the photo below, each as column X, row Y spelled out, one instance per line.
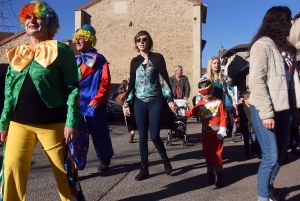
column 33, row 30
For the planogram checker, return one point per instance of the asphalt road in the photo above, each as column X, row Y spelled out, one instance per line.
column 187, row 182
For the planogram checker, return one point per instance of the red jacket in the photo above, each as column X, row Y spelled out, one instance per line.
column 211, row 112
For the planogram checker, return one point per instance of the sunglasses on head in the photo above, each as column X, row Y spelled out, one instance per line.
column 204, row 84
column 141, row 39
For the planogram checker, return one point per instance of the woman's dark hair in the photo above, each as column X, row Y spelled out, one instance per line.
column 274, row 26
column 143, row 33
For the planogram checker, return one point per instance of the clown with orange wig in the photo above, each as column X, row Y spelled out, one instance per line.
column 41, row 105
column 213, row 117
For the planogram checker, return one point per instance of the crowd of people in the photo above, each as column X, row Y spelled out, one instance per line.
column 67, row 97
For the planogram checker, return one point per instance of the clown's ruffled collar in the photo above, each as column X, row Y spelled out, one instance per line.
column 88, row 58
column 44, row 53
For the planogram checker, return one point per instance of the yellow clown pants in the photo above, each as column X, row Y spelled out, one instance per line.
column 20, row 145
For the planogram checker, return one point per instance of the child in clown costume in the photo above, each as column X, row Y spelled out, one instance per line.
column 94, row 78
column 213, row 117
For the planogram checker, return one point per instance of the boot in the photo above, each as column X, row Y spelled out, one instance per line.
column 219, row 182
column 168, row 167
column 103, row 165
column 211, row 178
column 131, row 136
column 144, row 174
column 273, row 194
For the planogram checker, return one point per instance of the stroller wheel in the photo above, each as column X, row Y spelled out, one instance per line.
column 185, row 141
column 169, row 141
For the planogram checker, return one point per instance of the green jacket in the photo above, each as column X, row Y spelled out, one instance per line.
column 57, row 84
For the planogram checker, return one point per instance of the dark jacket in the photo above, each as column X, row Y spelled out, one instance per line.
column 167, row 116
column 184, row 86
column 245, row 119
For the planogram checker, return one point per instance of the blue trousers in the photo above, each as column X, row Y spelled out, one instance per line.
column 273, row 143
column 147, row 115
column 97, row 127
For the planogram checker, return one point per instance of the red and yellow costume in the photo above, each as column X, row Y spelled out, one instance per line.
column 213, row 117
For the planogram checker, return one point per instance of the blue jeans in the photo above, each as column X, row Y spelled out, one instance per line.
column 273, row 144
column 147, row 115
column 99, row 130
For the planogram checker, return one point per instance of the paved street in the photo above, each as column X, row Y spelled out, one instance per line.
column 188, row 181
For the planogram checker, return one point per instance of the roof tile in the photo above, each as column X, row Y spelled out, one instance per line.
column 92, row 2
column 12, row 37
column 87, row 5
column 4, row 35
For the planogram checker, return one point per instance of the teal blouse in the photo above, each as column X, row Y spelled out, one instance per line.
column 149, row 84
column 218, row 93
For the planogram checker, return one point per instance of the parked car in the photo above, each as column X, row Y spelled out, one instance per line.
column 114, row 109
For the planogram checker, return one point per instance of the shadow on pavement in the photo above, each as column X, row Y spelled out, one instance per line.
column 113, row 170
column 284, row 193
column 232, row 174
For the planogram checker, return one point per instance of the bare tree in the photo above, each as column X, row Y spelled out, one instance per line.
column 7, row 17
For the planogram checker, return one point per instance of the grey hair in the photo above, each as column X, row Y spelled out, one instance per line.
column 177, row 66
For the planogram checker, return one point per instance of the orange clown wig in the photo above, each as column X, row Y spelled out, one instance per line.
column 40, row 10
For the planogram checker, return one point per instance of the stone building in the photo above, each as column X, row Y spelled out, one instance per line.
column 235, row 63
column 8, row 40
column 11, row 40
column 174, row 25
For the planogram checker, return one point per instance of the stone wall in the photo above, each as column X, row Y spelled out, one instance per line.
column 22, row 38
column 169, row 22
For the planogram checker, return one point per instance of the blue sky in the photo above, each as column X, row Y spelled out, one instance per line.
column 229, row 23
column 64, row 9
column 234, row 22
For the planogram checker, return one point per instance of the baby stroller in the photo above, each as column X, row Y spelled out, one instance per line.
column 179, row 131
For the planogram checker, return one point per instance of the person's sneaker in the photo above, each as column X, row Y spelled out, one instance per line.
column 219, row 183
column 168, row 167
column 103, row 165
column 144, row 174
column 233, row 141
column 273, row 194
column 211, row 178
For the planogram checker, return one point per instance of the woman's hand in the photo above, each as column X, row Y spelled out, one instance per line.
column 269, row 123
column 70, row 134
column 93, row 105
column 3, row 135
column 126, row 111
column 173, row 106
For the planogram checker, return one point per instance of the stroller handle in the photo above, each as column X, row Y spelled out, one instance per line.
column 181, row 103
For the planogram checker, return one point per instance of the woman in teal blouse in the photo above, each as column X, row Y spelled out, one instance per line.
column 150, row 100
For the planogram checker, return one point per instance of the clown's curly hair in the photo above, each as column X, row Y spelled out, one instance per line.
column 40, row 10
column 88, row 36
